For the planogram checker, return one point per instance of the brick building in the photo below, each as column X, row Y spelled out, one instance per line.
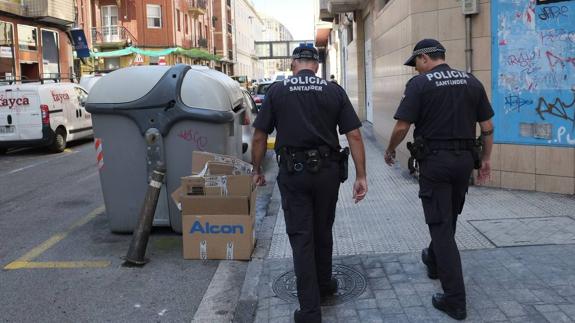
column 33, row 39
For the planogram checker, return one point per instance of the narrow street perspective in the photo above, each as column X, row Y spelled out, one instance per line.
column 302, row 161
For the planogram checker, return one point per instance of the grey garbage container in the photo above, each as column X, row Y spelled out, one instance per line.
column 144, row 116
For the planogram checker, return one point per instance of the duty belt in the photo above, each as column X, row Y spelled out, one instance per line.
column 298, row 159
column 457, row 144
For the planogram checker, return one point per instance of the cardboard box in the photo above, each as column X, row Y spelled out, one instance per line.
column 218, row 227
column 200, row 158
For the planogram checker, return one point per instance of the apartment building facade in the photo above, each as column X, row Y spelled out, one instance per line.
column 275, row 31
column 125, row 33
column 248, row 27
column 33, row 39
column 224, row 35
column 522, row 51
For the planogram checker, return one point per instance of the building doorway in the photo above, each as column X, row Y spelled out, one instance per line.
column 110, row 31
column 29, row 71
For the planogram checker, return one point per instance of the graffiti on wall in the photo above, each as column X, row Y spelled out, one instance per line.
column 534, row 71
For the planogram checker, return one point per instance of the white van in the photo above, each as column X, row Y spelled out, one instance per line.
column 49, row 114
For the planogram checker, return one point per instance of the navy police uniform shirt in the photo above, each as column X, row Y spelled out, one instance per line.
column 306, row 111
column 444, row 104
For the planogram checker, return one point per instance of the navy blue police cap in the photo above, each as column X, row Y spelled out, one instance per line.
column 424, row 46
column 305, row 51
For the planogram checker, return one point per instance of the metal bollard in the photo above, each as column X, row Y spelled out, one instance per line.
column 137, row 251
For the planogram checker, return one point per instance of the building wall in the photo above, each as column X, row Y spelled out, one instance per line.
column 35, row 56
column 397, row 27
column 275, row 31
column 248, row 28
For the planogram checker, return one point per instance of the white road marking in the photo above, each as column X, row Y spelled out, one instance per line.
column 41, row 162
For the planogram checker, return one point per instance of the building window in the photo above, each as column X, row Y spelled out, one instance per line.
column 186, row 23
column 50, row 54
column 178, row 20
column 27, row 37
column 110, row 30
column 6, row 50
column 154, row 14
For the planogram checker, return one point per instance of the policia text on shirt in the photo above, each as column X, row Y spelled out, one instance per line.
column 306, row 112
column 445, row 105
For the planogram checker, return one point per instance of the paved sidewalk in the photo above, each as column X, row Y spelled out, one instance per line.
column 518, row 254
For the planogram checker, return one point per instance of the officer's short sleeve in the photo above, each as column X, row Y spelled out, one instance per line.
column 265, row 120
column 484, row 109
column 347, row 120
column 409, row 106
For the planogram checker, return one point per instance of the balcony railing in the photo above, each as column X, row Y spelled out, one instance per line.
column 116, row 35
column 197, row 7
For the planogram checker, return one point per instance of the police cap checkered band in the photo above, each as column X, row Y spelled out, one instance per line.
column 425, row 46
column 305, row 51
column 428, row 50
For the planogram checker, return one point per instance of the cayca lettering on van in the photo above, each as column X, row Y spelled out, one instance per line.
column 59, row 97
column 10, row 103
column 216, row 229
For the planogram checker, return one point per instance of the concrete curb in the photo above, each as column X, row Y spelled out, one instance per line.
column 248, row 302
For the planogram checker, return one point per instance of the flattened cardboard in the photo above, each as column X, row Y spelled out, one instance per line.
column 200, row 158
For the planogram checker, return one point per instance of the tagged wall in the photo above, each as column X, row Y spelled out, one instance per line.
column 534, row 71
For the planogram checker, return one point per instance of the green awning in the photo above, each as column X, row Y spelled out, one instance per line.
column 192, row 53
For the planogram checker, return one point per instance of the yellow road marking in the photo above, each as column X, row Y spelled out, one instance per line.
column 26, row 260
column 57, row 264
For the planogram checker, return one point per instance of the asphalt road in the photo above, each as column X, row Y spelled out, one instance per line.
column 66, row 264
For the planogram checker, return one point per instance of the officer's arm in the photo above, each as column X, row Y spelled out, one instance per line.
column 357, row 152
column 487, row 138
column 399, row 132
column 259, row 147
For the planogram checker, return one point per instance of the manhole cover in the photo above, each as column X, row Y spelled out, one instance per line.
column 350, row 283
column 527, row 231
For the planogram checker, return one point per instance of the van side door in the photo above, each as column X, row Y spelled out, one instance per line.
column 85, row 118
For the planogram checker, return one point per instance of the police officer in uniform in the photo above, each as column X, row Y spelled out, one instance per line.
column 306, row 112
column 444, row 104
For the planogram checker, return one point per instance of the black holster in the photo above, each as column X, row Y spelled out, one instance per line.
column 417, row 150
column 343, row 164
column 477, row 152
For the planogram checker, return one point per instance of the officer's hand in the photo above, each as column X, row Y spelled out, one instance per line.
column 389, row 157
column 484, row 172
column 359, row 189
column 259, row 179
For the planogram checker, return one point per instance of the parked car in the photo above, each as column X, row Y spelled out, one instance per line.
column 243, row 80
column 87, row 81
column 259, row 93
column 250, row 114
column 43, row 114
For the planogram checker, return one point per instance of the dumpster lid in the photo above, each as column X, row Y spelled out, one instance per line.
column 206, row 88
column 126, row 84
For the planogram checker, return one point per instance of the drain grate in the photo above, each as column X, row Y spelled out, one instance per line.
column 527, row 231
column 351, row 284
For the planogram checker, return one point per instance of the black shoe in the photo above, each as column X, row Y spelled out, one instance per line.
column 329, row 289
column 299, row 318
column 439, row 302
column 431, row 267
column 296, row 316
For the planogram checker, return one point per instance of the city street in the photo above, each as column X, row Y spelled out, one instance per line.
column 62, row 263
column 65, row 264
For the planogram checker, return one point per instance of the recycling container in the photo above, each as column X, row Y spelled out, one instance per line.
column 150, row 116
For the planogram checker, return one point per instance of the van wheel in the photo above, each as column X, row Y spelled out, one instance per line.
column 59, row 143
